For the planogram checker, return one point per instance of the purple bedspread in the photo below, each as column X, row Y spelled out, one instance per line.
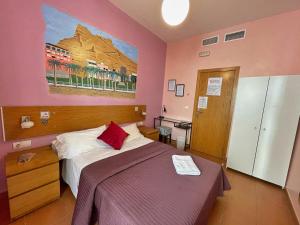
column 141, row 187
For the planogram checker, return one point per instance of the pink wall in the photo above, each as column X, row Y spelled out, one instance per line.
column 271, row 47
column 22, row 80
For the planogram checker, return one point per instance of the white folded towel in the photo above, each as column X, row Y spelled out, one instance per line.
column 184, row 165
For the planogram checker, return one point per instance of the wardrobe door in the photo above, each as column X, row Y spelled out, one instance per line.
column 246, row 122
column 278, row 129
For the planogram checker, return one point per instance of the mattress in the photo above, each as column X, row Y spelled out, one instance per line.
column 72, row 167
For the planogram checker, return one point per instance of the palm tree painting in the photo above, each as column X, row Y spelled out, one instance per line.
column 73, row 69
column 98, row 75
column 99, row 64
column 88, row 73
column 76, row 69
column 94, row 71
column 55, row 64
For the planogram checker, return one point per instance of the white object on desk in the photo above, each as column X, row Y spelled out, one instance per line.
column 184, row 165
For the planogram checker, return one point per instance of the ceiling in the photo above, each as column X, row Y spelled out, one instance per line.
column 205, row 15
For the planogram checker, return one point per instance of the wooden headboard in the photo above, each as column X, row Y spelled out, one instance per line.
column 65, row 118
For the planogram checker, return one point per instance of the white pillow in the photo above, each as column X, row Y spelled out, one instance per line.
column 133, row 132
column 69, row 145
column 97, row 130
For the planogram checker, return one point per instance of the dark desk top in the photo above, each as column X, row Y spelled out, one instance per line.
column 177, row 123
column 168, row 119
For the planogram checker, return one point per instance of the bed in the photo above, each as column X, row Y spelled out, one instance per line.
column 138, row 184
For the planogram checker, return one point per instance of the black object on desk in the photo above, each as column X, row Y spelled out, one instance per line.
column 185, row 125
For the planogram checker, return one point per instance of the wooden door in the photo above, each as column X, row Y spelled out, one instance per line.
column 211, row 126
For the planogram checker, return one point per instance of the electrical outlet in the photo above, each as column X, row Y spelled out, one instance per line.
column 45, row 115
column 136, row 108
column 22, row 144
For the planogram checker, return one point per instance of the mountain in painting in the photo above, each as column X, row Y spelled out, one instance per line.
column 85, row 46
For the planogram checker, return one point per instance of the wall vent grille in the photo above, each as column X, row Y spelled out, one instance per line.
column 210, row 41
column 235, row 36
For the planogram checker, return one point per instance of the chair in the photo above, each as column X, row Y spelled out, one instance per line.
column 165, row 134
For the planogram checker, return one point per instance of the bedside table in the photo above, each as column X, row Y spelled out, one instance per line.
column 149, row 132
column 32, row 184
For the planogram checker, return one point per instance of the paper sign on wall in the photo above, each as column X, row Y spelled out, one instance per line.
column 202, row 102
column 214, row 86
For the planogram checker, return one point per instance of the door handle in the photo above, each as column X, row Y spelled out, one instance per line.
column 198, row 113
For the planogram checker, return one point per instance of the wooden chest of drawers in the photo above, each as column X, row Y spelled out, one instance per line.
column 32, row 184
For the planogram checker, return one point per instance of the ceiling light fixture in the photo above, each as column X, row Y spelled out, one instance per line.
column 174, row 12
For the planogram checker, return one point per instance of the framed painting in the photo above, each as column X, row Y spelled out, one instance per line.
column 172, row 85
column 179, row 90
column 81, row 59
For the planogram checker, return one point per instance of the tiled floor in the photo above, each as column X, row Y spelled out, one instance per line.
column 250, row 202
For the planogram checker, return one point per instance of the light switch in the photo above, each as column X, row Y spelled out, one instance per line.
column 136, row 108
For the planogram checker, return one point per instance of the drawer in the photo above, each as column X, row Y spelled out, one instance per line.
column 29, row 201
column 153, row 136
column 30, row 180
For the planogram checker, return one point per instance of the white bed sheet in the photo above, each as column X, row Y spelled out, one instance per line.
column 72, row 167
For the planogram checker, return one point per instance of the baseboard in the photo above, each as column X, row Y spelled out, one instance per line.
column 294, row 203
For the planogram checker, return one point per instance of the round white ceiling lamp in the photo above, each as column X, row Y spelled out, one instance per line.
column 174, row 12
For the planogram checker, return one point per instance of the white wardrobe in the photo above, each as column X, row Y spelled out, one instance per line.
column 264, row 127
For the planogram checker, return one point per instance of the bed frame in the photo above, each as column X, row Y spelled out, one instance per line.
column 65, row 118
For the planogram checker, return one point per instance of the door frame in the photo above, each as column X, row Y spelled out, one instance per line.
column 236, row 70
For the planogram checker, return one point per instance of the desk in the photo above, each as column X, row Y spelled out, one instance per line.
column 185, row 125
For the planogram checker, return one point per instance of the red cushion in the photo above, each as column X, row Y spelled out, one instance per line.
column 114, row 136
